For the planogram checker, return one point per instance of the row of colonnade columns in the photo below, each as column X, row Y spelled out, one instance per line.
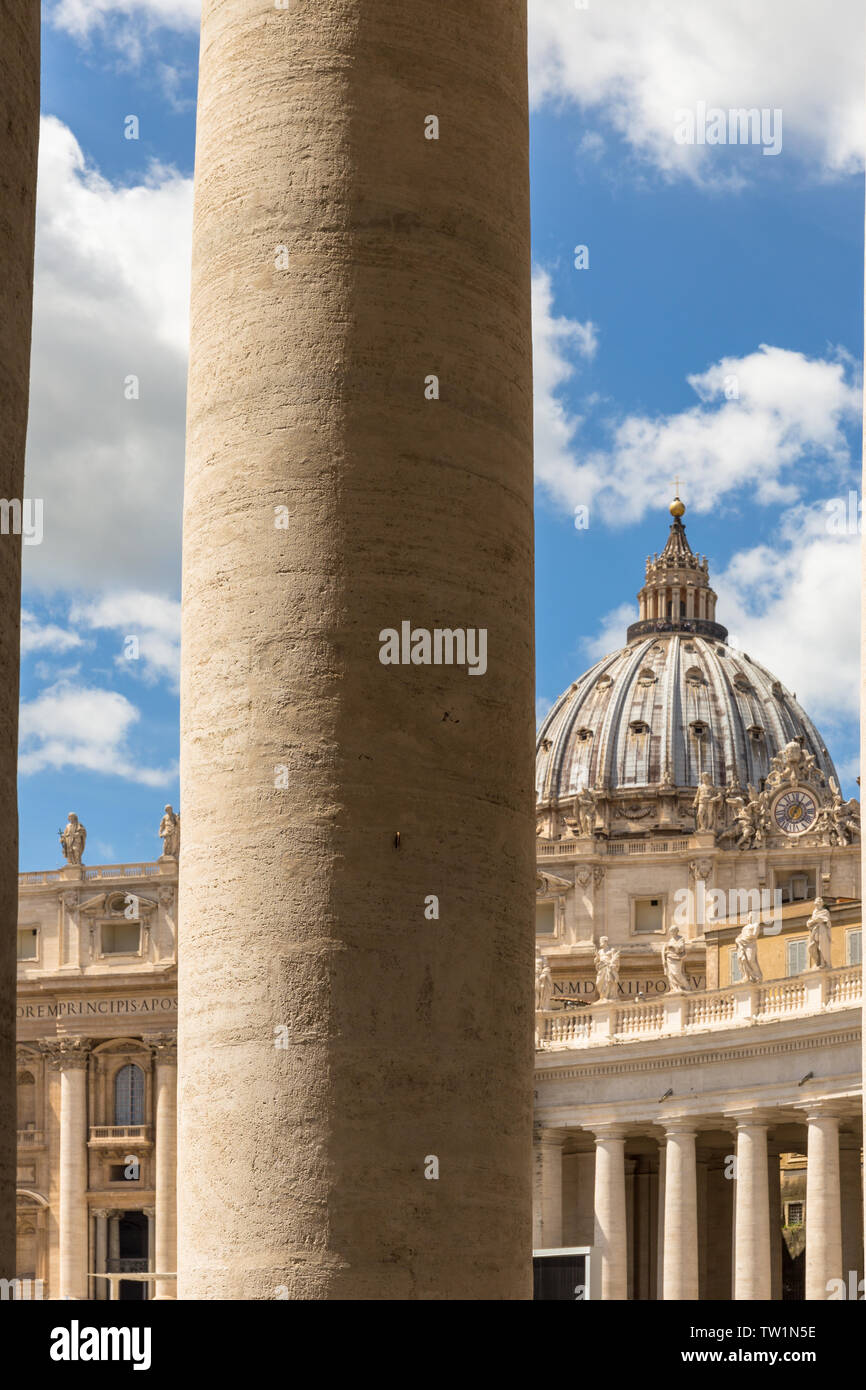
column 833, row 1208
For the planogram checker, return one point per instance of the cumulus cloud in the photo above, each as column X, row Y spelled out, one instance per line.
column 151, row 621
column 557, row 343
column 793, row 606
column 771, row 420
column 82, row 17
column 79, row 727
column 48, row 637
column 633, row 65
column 110, row 305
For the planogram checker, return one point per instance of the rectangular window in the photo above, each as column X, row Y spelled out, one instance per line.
column 854, row 947
column 120, row 938
column 649, row 915
column 795, row 885
column 736, row 972
column 123, row 1172
column 794, row 1214
column 28, row 944
column 545, row 919
column 797, row 956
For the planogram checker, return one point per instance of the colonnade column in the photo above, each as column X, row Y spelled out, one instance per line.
column 358, row 469
column 69, row 1056
column 100, row 1252
column 774, row 1188
column 551, row 1191
column 19, row 138
column 823, row 1205
column 611, row 1231
column 752, row 1264
column 660, row 1225
column 680, row 1214
column 851, row 1199
column 164, row 1252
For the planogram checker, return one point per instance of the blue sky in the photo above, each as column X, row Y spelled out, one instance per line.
column 708, row 264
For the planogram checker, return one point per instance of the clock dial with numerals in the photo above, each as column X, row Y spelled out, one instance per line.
column 795, row 811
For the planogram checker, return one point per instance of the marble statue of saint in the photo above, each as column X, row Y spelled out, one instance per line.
column 169, row 833
column 72, row 839
column 819, row 937
column 747, row 953
column 706, row 800
column 543, row 984
column 673, row 960
column 607, row 970
column 584, row 812
column 543, row 993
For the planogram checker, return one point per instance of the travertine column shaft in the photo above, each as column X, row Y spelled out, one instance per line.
column 70, row 1058
column 681, row 1216
column 774, row 1188
column 851, row 1199
column 355, row 1083
column 551, row 1192
column 823, row 1206
column 752, row 1265
column 19, row 135
column 660, row 1226
column 164, row 1252
column 611, row 1232
column 100, row 1255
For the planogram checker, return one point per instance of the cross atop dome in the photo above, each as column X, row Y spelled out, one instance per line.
column 676, row 596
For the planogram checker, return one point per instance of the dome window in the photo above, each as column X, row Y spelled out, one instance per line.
column 755, row 732
column 547, row 744
column 639, row 726
column 603, row 683
column 743, row 684
column 699, row 728
column 646, row 677
column 778, row 691
column 695, row 676
column 584, row 734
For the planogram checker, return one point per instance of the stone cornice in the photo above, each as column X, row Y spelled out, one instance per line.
column 693, row 1057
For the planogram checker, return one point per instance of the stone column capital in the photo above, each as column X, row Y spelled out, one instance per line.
column 602, row 1134
column 67, row 1053
column 148, row 1211
column 751, row 1119
column 101, row 1213
column 680, row 1127
column 163, row 1047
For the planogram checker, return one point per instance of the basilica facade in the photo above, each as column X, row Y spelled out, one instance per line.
column 97, row 1075
column 698, row 931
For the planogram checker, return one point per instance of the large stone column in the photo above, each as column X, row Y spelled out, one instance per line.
column 551, row 1191
column 611, row 1231
column 752, row 1262
column 69, row 1057
column 823, row 1206
column 851, row 1200
column 681, row 1214
column 774, row 1191
column 164, row 1250
column 19, row 135
column 355, row 1079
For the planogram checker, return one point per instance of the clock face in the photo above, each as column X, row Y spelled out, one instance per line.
column 794, row 812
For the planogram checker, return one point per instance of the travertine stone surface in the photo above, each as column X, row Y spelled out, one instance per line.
column 19, row 134
column 301, row 1168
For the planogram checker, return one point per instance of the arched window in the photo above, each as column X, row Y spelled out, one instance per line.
column 129, row 1096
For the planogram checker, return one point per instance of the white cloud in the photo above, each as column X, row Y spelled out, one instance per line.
column 36, row 636
column 73, row 726
column 793, row 605
column 634, row 64
column 152, row 620
column 611, row 635
column 772, row 421
column 556, row 342
column 81, row 17
column 111, row 301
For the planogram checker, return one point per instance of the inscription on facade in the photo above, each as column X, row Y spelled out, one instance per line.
column 75, row 1008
